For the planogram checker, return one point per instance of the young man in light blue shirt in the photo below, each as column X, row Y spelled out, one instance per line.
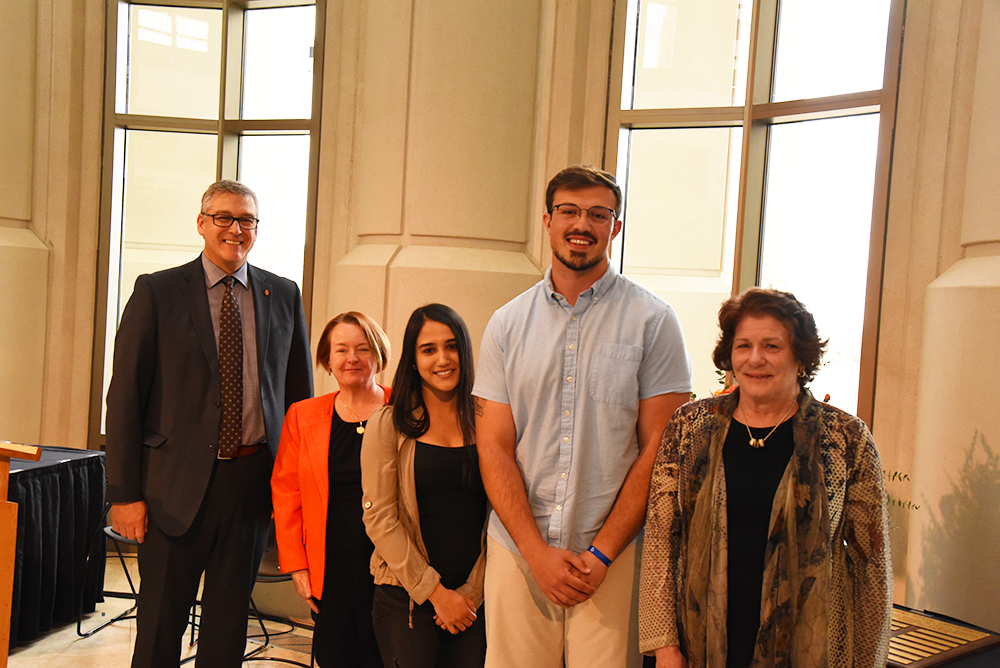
column 577, row 380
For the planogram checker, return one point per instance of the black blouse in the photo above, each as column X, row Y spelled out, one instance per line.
column 752, row 479
column 451, row 502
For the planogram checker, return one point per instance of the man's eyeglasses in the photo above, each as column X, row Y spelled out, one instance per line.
column 222, row 220
column 569, row 213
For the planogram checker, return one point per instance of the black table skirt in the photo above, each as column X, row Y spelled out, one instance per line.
column 60, row 501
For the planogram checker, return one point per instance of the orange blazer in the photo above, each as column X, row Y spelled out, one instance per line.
column 300, row 487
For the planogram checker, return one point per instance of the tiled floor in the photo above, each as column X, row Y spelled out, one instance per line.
column 112, row 646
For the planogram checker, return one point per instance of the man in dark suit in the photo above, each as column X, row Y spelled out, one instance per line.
column 208, row 357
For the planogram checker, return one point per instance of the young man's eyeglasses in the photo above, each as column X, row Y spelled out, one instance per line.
column 569, row 213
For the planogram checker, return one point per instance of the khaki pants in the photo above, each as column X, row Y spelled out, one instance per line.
column 524, row 629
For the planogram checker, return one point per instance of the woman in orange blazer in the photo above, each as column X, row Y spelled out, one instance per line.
column 316, row 491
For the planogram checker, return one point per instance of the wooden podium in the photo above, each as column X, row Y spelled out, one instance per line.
column 8, row 547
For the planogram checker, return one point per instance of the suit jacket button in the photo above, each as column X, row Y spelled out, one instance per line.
column 218, row 403
column 211, row 446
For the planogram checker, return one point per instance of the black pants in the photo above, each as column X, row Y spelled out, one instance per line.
column 226, row 541
column 426, row 645
column 343, row 636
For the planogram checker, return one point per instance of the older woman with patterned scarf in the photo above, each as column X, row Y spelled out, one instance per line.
column 767, row 541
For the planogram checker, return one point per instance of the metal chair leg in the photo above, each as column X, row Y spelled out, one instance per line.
column 267, row 636
column 127, row 614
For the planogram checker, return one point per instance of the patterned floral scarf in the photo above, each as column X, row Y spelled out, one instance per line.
column 794, row 610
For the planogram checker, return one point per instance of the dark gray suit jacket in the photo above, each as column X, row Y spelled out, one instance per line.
column 164, row 401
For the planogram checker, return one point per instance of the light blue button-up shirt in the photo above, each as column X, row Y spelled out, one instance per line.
column 573, row 377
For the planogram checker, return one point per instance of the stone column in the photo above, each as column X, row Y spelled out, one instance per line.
column 954, row 538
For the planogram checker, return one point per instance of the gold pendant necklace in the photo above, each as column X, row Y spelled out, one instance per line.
column 361, row 427
column 757, row 443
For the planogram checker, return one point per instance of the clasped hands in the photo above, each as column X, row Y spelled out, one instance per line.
column 567, row 578
column 453, row 611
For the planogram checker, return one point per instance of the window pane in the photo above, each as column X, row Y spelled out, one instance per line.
column 687, row 54
column 159, row 178
column 277, row 168
column 825, row 49
column 278, row 63
column 165, row 176
column 679, row 231
column 173, row 61
column 817, row 224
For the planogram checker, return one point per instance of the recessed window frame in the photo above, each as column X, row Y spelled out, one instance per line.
column 756, row 116
column 228, row 128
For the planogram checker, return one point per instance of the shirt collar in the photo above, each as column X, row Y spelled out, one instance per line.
column 595, row 291
column 214, row 274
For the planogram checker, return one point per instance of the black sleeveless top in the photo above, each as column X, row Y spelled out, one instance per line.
column 451, row 503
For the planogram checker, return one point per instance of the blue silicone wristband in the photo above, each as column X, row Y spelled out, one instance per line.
column 600, row 555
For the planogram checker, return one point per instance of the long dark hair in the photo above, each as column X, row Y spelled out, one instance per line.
column 407, row 386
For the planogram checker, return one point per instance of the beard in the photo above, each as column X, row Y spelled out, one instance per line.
column 578, row 261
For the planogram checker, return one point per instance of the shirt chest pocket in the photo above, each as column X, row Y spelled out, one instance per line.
column 614, row 374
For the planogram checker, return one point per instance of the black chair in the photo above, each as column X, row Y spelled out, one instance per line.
column 117, row 539
column 267, row 573
column 270, row 573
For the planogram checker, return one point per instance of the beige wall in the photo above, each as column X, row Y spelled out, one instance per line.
column 24, row 264
column 17, row 104
column 441, row 126
column 23, row 258
column 434, row 154
column 923, row 239
column 52, row 79
column 953, row 540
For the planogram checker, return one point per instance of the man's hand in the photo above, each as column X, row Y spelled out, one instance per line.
column 454, row 612
column 130, row 520
column 598, row 571
column 561, row 575
column 303, row 589
column 670, row 657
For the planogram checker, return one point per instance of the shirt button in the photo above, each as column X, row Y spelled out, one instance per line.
column 558, row 507
column 569, row 379
column 368, row 504
column 562, row 475
column 572, row 347
column 565, row 439
column 568, row 412
column 574, row 318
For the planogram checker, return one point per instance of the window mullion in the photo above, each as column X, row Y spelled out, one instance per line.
column 309, row 252
column 165, row 123
column 746, row 265
column 230, row 89
column 851, row 104
column 684, row 117
column 187, row 4
column 616, row 76
column 876, row 250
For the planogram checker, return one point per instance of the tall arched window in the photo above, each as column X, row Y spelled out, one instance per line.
column 753, row 140
column 197, row 91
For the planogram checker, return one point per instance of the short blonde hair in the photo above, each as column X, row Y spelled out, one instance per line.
column 377, row 340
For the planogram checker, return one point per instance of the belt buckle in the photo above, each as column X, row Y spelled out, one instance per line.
column 239, row 452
